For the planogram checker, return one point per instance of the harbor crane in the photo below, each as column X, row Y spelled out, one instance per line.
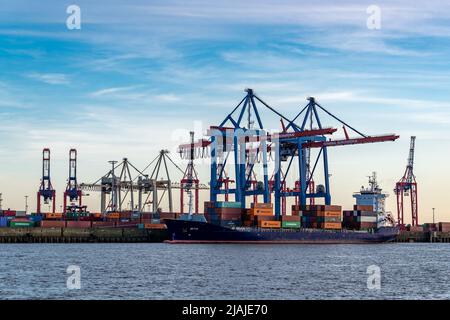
column 295, row 141
column 72, row 192
column 407, row 186
column 46, row 191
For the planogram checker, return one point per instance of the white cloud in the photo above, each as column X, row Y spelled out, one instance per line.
column 50, row 78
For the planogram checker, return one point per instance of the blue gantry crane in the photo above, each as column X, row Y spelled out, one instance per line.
column 46, row 191
column 251, row 144
column 72, row 192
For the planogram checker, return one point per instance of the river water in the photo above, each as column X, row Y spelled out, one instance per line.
column 168, row 271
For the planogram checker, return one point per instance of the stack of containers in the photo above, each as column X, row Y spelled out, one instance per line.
column 430, row 227
column 360, row 218
column 53, row 216
column 322, row 217
column 444, row 226
column 262, row 215
column 291, row 222
column 78, row 224
column 4, row 222
column 224, row 213
column 297, row 210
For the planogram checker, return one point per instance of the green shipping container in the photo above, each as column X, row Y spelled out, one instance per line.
column 224, row 204
column 21, row 224
column 290, row 224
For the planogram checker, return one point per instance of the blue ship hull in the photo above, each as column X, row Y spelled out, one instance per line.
column 182, row 231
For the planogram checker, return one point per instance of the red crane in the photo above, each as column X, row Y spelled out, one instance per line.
column 405, row 186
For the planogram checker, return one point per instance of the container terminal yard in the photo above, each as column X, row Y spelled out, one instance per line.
column 250, row 196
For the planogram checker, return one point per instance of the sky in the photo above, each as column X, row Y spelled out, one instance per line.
column 139, row 75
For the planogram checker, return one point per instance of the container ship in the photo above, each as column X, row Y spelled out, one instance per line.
column 228, row 222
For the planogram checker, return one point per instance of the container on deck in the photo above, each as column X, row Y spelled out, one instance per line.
column 262, row 205
column 269, row 224
column 227, row 204
column 291, row 224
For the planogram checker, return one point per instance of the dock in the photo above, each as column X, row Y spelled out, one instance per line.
column 78, row 235
column 431, row 237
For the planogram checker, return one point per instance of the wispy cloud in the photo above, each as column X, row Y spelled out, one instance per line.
column 50, row 78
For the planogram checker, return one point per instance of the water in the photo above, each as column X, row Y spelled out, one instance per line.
column 164, row 271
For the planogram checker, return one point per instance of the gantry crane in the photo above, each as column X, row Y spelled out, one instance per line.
column 294, row 141
column 190, row 181
column 46, row 191
column 73, row 192
column 406, row 186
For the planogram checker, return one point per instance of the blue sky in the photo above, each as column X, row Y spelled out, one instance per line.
column 140, row 74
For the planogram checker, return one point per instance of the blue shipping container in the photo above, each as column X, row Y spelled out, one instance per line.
column 3, row 222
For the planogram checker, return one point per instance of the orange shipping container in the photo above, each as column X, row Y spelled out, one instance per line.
column 335, row 214
column 261, row 212
column 113, row 215
column 51, row 215
column 155, row 226
column 331, row 225
column 269, row 224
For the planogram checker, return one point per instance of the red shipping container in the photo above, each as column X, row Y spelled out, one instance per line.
column 444, row 226
column 52, row 224
column 78, row 224
column 363, row 208
column 167, row 215
column 97, row 224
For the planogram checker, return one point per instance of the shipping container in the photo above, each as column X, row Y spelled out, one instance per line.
column 102, row 224
column 167, row 215
column 262, row 205
column 53, row 216
column 444, row 226
column 113, row 215
column 227, row 204
column 35, row 218
column 261, row 212
column 21, row 213
column 320, row 207
column 78, row 224
column 290, row 218
column 291, row 224
column 52, row 224
column 330, row 225
column 336, row 214
column 363, row 207
column 155, row 226
column 4, row 222
column 21, row 223
column 269, row 224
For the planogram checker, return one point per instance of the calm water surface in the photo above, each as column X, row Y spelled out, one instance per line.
column 164, row 271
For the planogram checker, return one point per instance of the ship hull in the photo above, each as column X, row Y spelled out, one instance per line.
column 181, row 231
